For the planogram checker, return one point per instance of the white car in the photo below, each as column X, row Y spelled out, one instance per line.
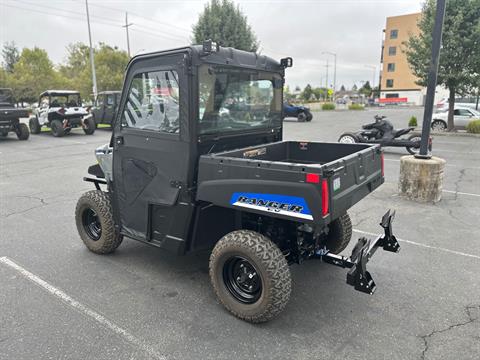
column 467, row 102
column 61, row 110
column 461, row 117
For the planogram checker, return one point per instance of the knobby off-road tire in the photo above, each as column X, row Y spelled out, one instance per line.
column 34, row 125
column 339, row 234
column 265, row 260
column 99, row 237
column 22, row 132
column 57, row 128
column 89, row 126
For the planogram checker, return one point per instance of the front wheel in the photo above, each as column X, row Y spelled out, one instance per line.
column 34, row 125
column 309, row 116
column 250, row 276
column 89, row 126
column 22, row 132
column 95, row 224
column 3, row 133
column 348, row 138
column 416, row 149
column 302, row 117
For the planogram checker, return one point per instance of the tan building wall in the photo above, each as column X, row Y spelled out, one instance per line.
column 402, row 77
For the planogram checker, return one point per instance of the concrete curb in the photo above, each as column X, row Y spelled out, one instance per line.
column 464, row 134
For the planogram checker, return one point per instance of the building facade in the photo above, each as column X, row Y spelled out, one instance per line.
column 397, row 82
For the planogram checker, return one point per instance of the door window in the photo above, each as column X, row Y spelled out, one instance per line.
column 110, row 100
column 153, row 102
column 462, row 112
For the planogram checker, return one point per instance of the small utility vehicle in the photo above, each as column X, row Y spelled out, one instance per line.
column 302, row 113
column 105, row 107
column 383, row 133
column 183, row 174
column 10, row 116
column 61, row 110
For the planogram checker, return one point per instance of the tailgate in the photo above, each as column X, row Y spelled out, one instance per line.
column 353, row 177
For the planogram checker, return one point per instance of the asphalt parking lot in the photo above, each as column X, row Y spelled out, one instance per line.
column 59, row 301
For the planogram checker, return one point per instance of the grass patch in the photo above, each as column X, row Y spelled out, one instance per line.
column 474, row 127
column 328, row 106
column 356, row 107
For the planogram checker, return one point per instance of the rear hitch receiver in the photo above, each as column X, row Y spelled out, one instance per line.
column 358, row 276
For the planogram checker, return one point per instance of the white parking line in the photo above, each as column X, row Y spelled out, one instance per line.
column 446, row 191
column 423, row 245
column 83, row 309
column 447, row 164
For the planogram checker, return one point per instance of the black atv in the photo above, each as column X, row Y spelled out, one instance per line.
column 383, row 133
column 10, row 117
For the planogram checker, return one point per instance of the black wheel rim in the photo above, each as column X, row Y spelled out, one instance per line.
column 91, row 224
column 242, row 280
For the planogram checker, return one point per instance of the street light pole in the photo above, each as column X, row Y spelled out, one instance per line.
column 374, row 73
column 334, row 71
column 326, row 84
column 92, row 63
column 126, row 28
column 432, row 79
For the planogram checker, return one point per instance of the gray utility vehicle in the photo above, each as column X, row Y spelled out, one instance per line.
column 105, row 107
column 61, row 111
column 10, row 116
column 197, row 162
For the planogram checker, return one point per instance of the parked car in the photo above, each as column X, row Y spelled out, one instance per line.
column 461, row 117
column 105, row 107
column 466, row 102
column 10, row 116
column 228, row 183
column 61, row 110
column 302, row 113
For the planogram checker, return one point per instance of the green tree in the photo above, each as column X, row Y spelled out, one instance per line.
column 342, row 88
column 307, row 93
column 366, row 89
column 10, row 55
column 223, row 22
column 460, row 47
column 354, row 87
column 110, row 63
column 33, row 73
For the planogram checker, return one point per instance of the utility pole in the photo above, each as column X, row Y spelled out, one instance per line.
column 126, row 28
column 92, row 63
column 374, row 73
column 334, row 71
column 326, row 83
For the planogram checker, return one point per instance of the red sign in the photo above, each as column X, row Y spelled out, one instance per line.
column 392, row 100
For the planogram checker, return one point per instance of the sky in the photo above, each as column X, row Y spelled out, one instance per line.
column 302, row 29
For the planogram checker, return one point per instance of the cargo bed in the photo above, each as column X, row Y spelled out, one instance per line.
column 328, row 177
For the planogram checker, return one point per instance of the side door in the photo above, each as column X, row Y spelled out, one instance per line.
column 461, row 117
column 151, row 150
column 109, row 108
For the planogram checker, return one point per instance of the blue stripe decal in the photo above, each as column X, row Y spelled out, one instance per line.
column 281, row 204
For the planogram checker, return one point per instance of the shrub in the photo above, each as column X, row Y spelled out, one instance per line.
column 412, row 121
column 328, row 106
column 474, row 127
column 356, row 107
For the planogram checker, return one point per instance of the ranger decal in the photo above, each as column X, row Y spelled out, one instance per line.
column 281, row 204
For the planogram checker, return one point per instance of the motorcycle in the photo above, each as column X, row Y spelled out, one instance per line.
column 382, row 132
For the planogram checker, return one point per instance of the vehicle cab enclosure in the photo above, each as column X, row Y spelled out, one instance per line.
column 10, row 116
column 105, row 107
column 198, row 153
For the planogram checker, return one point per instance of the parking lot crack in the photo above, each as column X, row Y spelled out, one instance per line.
column 30, row 197
column 472, row 312
column 458, row 181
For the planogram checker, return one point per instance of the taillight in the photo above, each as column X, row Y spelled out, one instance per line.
column 312, row 178
column 382, row 160
column 325, row 197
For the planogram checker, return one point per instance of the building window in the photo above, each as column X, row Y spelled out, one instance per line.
column 392, row 50
column 393, row 34
column 391, row 67
column 392, row 96
column 389, row 83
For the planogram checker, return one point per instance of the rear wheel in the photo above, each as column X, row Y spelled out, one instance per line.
column 348, row 138
column 309, row 116
column 57, row 128
column 89, row 126
column 34, row 125
column 3, row 133
column 415, row 150
column 22, row 132
column 339, row 234
column 302, row 117
column 250, row 276
column 94, row 219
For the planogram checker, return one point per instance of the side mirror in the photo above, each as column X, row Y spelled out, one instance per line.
column 286, row 62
